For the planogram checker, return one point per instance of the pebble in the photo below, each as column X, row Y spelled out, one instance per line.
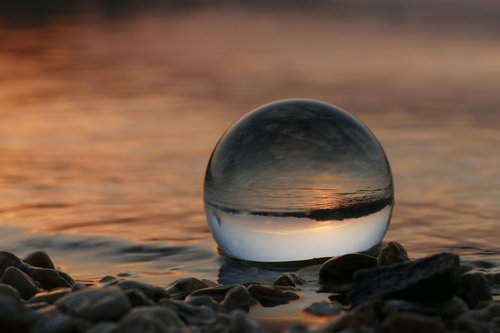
column 205, row 300
column 48, row 278
column 341, row 269
column 50, row 296
column 217, row 293
column 39, row 259
column 238, row 297
column 13, row 316
column 271, row 296
column 190, row 314
column 183, row 287
column 239, row 323
column 21, row 281
column 392, row 253
column 450, row 308
column 8, row 290
column 59, row 323
column 430, row 279
column 152, row 292
column 137, row 298
column 150, row 319
column 474, row 288
column 95, row 304
column 102, row 327
column 323, row 309
column 289, row 280
column 412, row 323
column 7, row 260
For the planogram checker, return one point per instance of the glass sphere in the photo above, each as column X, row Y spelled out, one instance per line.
column 296, row 180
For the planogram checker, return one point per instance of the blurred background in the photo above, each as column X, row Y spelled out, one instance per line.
column 109, row 111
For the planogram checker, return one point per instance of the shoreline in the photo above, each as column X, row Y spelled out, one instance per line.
column 357, row 292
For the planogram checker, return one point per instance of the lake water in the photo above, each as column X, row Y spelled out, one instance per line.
column 107, row 124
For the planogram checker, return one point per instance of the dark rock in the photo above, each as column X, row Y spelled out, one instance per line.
column 238, row 297
column 493, row 275
column 402, row 306
column 323, row 309
column 239, row 323
column 474, row 289
column 340, row 298
column 59, row 323
column 271, row 296
column 7, row 260
column 108, row 279
column 340, row 288
column 349, row 322
column 95, row 304
column 392, row 253
column 102, row 327
column 137, row 298
column 465, row 267
column 39, row 259
column 13, row 316
column 19, row 280
column 181, row 288
column 153, row 292
column 431, row 279
column 47, row 278
column 341, row 269
column 297, row 328
column 210, row 283
column 37, row 305
column 288, row 280
column 412, row 323
column 450, row 308
column 217, row 293
column 190, row 314
column 50, row 296
column 8, row 290
column 150, row 319
column 204, row 300
column 66, row 277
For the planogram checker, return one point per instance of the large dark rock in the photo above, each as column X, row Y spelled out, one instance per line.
column 181, row 288
column 288, row 280
column 392, row 253
column 39, row 259
column 153, row 292
column 341, row 269
column 7, row 260
column 271, row 296
column 13, row 316
column 48, row 278
column 19, row 280
column 430, row 279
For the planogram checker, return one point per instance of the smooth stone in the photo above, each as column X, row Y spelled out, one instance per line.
column 13, row 316
column 102, row 327
column 210, row 283
column 289, row 280
column 217, row 293
column 412, row 323
column 39, row 259
column 339, row 288
column 239, row 323
column 434, row 278
column 450, row 308
column 493, row 275
column 8, row 290
column 204, row 300
column 349, row 322
column 137, row 298
column 392, row 253
column 190, row 314
column 7, row 260
column 95, row 304
column 50, row 296
column 48, row 278
column 474, row 289
column 238, row 297
column 465, row 267
column 21, row 281
column 323, row 309
column 297, row 328
column 149, row 319
column 271, row 296
column 153, row 292
column 340, row 298
column 341, row 269
column 181, row 288
column 108, row 279
column 59, row 323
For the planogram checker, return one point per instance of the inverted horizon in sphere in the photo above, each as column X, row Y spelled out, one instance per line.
column 296, row 160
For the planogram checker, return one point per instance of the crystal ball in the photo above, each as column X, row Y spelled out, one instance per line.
column 296, row 180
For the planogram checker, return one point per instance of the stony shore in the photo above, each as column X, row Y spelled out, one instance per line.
column 389, row 293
